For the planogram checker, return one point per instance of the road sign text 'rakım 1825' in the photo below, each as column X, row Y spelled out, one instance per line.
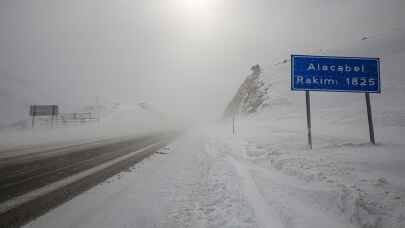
column 335, row 74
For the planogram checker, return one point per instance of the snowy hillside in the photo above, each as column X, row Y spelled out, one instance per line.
column 344, row 174
column 251, row 96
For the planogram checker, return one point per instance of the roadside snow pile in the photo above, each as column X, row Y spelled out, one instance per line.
column 344, row 174
column 362, row 182
column 117, row 121
column 212, row 199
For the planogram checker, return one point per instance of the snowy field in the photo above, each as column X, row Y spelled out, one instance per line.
column 266, row 176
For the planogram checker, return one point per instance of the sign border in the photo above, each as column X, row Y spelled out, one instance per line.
column 334, row 57
column 54, row 110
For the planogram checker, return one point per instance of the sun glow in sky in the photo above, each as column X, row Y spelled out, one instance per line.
column 187, row 57
column 198, row 6
column 198, row 12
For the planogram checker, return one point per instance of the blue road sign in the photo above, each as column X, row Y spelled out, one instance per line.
column 335, row 74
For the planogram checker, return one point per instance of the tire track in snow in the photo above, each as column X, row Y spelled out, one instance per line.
column 292, row 202
column 265, row 215
column 212, row 195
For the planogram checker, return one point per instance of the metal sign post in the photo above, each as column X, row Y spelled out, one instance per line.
column 233, row 125
column 33, row 121
column 335, row 74
column 308, row 103
column 370, row 119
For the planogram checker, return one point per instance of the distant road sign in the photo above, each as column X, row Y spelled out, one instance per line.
column 335, row 74
column 44, row 110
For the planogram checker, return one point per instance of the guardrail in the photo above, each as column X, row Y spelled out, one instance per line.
column 64, row 119
column 76, row 117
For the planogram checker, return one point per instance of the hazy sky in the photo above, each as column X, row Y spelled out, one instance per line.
column 183, row 56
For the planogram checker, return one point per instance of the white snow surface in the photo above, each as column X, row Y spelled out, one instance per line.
column 265, row 176
column 184, row 185
column 198, row 181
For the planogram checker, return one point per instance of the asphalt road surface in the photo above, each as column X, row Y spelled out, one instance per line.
column 33, row 183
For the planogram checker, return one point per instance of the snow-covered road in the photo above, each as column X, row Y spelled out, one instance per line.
column 181, row 186
column 194, row 182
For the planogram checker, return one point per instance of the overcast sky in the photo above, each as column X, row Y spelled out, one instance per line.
column 183, row 56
